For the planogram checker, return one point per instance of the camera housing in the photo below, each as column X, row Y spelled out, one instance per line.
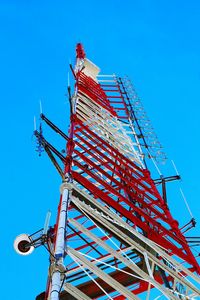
column 22, row 244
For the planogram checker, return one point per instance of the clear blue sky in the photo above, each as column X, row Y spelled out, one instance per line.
column 156, row 43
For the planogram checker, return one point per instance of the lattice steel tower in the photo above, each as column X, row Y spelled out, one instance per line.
column 114, row 237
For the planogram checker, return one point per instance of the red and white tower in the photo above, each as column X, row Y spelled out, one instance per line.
column 114, row 236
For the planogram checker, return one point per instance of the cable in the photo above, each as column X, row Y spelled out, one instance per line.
column 123, row 253
column 73, row 257
column 175, row 168
column 140, row 278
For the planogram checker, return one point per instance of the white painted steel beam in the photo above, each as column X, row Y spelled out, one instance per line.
column 72, row 290
column 130, row 264
column 142, row 250
column 150, row 243
column 105, row 277
column 107, row 126
column 108, row 256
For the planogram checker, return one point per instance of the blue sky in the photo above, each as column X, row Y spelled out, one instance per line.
column 156, row 43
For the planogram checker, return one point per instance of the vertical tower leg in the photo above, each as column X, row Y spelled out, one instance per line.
column 59, row 253
column 55, row 287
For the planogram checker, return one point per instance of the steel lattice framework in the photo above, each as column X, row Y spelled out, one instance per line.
column 114, row 237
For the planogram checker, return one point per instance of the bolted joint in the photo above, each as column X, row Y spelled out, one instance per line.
column 57, row 267
column 66, row 185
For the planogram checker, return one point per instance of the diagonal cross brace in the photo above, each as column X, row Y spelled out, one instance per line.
column 105, row 277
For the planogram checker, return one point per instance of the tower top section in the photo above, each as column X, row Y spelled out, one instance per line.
column 85, row 65
column 80, row 53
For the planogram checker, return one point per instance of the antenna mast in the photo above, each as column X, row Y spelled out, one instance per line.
column 115, row 237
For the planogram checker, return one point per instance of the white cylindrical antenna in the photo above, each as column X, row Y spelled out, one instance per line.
column 34, row 123
column 175, row 168
column 46, row 223
column 68, row 80
column 40, row 107
column 186, row 203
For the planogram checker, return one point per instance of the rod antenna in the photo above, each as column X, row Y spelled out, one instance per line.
column 40, row 107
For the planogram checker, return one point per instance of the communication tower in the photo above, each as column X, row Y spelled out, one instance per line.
column 114, row 237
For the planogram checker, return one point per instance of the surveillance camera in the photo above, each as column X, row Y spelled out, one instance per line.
column 22, row 244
